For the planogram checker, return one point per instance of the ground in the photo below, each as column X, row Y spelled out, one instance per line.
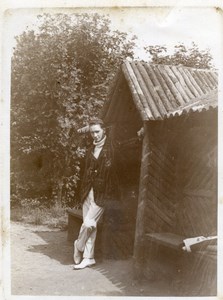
column 42, row 264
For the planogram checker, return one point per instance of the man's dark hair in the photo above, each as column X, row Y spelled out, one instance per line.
column 96, row 121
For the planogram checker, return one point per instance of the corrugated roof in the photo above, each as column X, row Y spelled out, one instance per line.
column 163, row 91
column 203, row 104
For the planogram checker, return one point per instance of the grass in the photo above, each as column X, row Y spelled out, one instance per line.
column 54, row 217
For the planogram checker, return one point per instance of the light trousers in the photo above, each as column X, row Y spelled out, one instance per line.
column 88, row 231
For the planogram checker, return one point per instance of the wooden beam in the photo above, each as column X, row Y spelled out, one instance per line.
column 138, row 255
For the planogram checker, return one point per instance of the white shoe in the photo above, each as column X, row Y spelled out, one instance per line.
column 86, row 262
column 77, row 254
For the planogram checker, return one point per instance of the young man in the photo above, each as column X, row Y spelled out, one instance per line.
column 98, row 187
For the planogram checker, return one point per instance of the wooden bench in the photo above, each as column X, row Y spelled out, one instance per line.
column 75, row 220
column 112, row 237
column 175, row 241
column 197, row 268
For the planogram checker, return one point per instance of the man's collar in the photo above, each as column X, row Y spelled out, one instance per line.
column 100, row 143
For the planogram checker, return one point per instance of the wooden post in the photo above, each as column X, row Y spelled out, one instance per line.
column 138, row 255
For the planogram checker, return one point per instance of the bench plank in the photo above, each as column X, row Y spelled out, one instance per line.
column 75, row 213
column 168, row 239
column 175, row 241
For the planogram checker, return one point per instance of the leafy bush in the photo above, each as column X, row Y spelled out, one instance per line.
column 61, row 72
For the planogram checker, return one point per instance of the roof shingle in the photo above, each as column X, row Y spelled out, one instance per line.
column 163, row 91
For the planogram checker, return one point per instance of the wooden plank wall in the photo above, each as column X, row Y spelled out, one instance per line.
column 198, row 181
column 182, row 178
column 161, row 199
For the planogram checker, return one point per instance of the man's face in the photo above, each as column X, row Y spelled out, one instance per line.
column 97, row 132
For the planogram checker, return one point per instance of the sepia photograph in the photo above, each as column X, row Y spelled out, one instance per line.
column 110, row 150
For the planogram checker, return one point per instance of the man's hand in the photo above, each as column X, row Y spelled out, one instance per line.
column 83, row 129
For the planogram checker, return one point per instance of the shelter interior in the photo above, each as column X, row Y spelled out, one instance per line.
column 124, row 122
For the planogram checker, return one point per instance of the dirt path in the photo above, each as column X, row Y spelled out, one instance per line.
column 42, row 265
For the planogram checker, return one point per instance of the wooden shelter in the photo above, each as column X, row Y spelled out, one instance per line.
column 172, row 173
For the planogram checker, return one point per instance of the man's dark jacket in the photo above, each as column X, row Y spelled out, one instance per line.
column 100, row 174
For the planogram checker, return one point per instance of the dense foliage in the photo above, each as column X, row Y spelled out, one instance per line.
column 187, row 56
column 61, row 71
